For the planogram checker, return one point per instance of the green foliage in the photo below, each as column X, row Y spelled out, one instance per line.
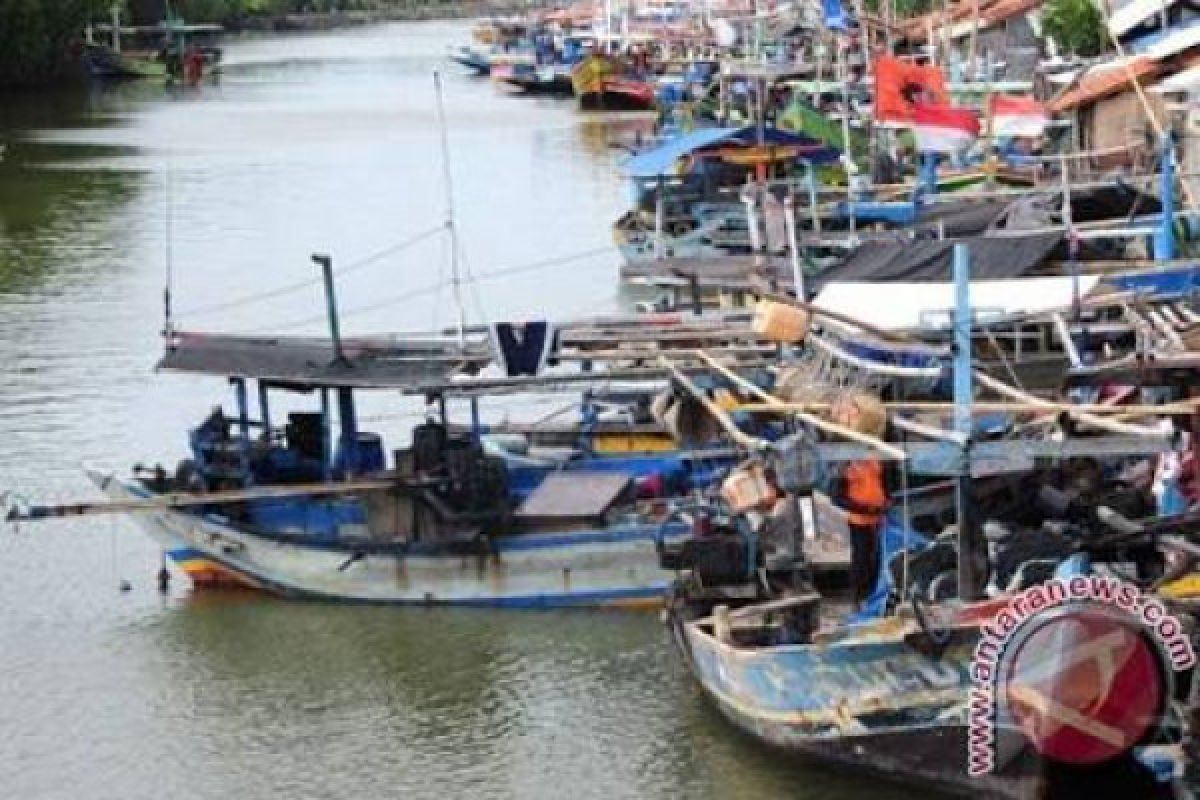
column 36, row 38
column 1076, row 25
column 39, row 39
column 223, row 10
column 901, row 9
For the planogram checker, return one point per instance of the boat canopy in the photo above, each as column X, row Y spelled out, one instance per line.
column 662, row 160
column 898, row 306
column 380, row 362
column 992, row 258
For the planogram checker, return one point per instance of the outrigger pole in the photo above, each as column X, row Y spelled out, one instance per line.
column 189, row 499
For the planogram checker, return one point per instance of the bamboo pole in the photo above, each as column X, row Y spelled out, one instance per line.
column 991, row 407
column 890, row 451
column 192, row 499
column 719, row 414
column 1082, row 416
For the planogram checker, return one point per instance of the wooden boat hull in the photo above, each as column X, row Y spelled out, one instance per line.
column 478, row 63
column 103, row 64
column 618, row 94
column 613, row 567
column 555, row 85
column 909, row 721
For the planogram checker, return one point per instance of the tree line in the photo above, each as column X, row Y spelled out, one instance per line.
column 36, row 38
column 39, row 39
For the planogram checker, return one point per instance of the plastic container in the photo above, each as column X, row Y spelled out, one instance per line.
column 780, row 322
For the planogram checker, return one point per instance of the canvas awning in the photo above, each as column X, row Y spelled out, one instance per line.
column 1135, row 13
column 992, row 258
column 897, row 306
column 382, row 362
column 1169, row 43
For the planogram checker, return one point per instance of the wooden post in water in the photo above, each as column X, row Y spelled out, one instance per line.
column 970, row 555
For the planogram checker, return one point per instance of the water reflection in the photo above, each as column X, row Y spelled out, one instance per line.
column 308, row 143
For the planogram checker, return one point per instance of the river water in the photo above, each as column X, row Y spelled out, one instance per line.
column 323, row 143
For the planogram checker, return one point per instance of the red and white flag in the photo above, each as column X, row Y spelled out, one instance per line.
column 943, row 129
column 1018, row 116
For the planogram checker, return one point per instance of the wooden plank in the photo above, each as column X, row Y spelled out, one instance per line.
column 574, row 495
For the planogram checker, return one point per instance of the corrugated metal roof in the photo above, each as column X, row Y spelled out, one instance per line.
column 1107, row 79
column 991, row 13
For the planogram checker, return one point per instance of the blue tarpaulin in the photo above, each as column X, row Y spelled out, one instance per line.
column 894, row 537
column 835, row 15
column 661, row 160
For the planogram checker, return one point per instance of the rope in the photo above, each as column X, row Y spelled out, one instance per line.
column 292, row 287
column 434, row 288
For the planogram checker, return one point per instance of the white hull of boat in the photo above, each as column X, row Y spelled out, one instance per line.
column 601, row 567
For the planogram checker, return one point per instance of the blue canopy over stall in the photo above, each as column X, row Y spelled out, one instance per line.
column 662, row 161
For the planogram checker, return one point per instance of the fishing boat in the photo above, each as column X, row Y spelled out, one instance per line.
column 535, row 79
column 473, row 58
column 280, row 507
column 457, row 518
column 885, row 690
column 172, row 50
column 686, row 203
column 599, row 86
column 311, row 505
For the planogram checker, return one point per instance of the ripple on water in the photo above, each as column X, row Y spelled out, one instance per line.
column 309, row 143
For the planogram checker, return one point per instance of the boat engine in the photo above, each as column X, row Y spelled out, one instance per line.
column 717, row 559
column 722, row 563
column 468, row 479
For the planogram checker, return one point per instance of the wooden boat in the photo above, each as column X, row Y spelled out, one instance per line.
column 474, row 59
column 172, row 50
column 102, row 63
column 599, row 87
column 885, row 698
column 438, row 527
column 304, row 509
column 864, row 698
column 886, row 691
column 535, row 79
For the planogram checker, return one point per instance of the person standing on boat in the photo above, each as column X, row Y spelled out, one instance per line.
column 861, row 494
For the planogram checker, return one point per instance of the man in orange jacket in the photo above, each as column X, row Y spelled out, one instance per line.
column 862, row 495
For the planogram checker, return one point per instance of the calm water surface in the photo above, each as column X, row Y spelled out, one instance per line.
column 324, row 143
